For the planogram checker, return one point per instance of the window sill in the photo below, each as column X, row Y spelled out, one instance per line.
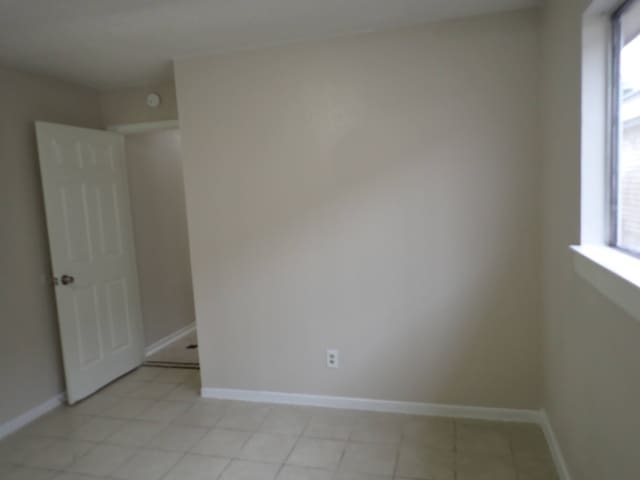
column 613, row 273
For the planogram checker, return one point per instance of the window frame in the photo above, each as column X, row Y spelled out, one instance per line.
column 615, row 130
column 612, row 271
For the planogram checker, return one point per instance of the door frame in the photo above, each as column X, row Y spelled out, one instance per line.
column 144, row 127
column 131, row 128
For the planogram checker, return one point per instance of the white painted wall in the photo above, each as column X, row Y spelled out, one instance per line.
column 30, row 361
column 154, row 165
column 129, row 105
column 592, row 386
column 377, row 194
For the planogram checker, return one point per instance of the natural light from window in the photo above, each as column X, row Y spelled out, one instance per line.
column 627, row 223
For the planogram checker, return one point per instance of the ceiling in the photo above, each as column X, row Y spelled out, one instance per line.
column 109, row 44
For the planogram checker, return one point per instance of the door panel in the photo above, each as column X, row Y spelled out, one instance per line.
column 77, row 235
column 91, row 239
column 119, row 320
column 109, row 222
column 87, row 324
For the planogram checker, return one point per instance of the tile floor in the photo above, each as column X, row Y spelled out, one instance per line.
column 152, row 425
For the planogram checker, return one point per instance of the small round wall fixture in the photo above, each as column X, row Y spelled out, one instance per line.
column 153, row 100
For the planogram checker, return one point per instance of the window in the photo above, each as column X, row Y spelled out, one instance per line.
column 625, row 144
column 608, row 256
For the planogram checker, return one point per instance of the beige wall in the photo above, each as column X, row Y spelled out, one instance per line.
column 592, row 388
column 376, row 194
column 154, row 162
column 129, row 105
column 30, row 362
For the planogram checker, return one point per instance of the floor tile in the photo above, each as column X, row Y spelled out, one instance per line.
column 422, row 462
column 147, row 465
column 224, row 443
column 315, row 452
column 532, row 468
column 145, row 439
column 528, row 440
column 27, row 473
column 129, row 408
column 59, row 423
column 359, row 476
column 243, row 470
column 268, row 447
column 485, row 467
column 369, row 458
column 244, row 416
column 330, row 425
column 145, row 374
column 135, row 433
column 153, row 391
column 197, row 467
column 429, row 432
column 178, row 438
column 164, row 411
column 204, row 414
column 193, row 378
column 73, row 476
column 292, row 472
column 371, row 430
column 540, row 474
column 59, row 454
column 286, row 420
column 97, row 429
column 174, row 375
column 481, row 437
column 122, row 387
column 96, row 404
column 18, row 447
column 102, row 460
column 184, row 393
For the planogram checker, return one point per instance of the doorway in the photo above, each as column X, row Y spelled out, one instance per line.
column 104, row 210
column 154, row 168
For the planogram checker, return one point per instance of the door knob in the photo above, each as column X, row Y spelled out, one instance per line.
column 66, row 279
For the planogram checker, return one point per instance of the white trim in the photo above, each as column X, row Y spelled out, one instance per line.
column 36, row 412
column 613, row 273
column 538, row 417
column 129, row 128
column 414, row 408
column 169, row 339
column 554, row 446
column 595, row 127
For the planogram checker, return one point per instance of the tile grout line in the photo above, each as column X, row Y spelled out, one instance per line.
column 136, row 449
column 164, row 475
column 397, row 462
column 455, row 449
column 251, row 434
column 218, row 417
column 295, row 444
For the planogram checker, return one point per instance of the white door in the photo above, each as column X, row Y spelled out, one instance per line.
column 86, row 199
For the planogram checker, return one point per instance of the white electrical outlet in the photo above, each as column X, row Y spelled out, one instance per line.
column 333, row 358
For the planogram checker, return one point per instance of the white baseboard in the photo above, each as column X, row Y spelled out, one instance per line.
column 554, row 446
column 36, row 412
column 169, row 339
column 538, row 417
column 414, row 408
